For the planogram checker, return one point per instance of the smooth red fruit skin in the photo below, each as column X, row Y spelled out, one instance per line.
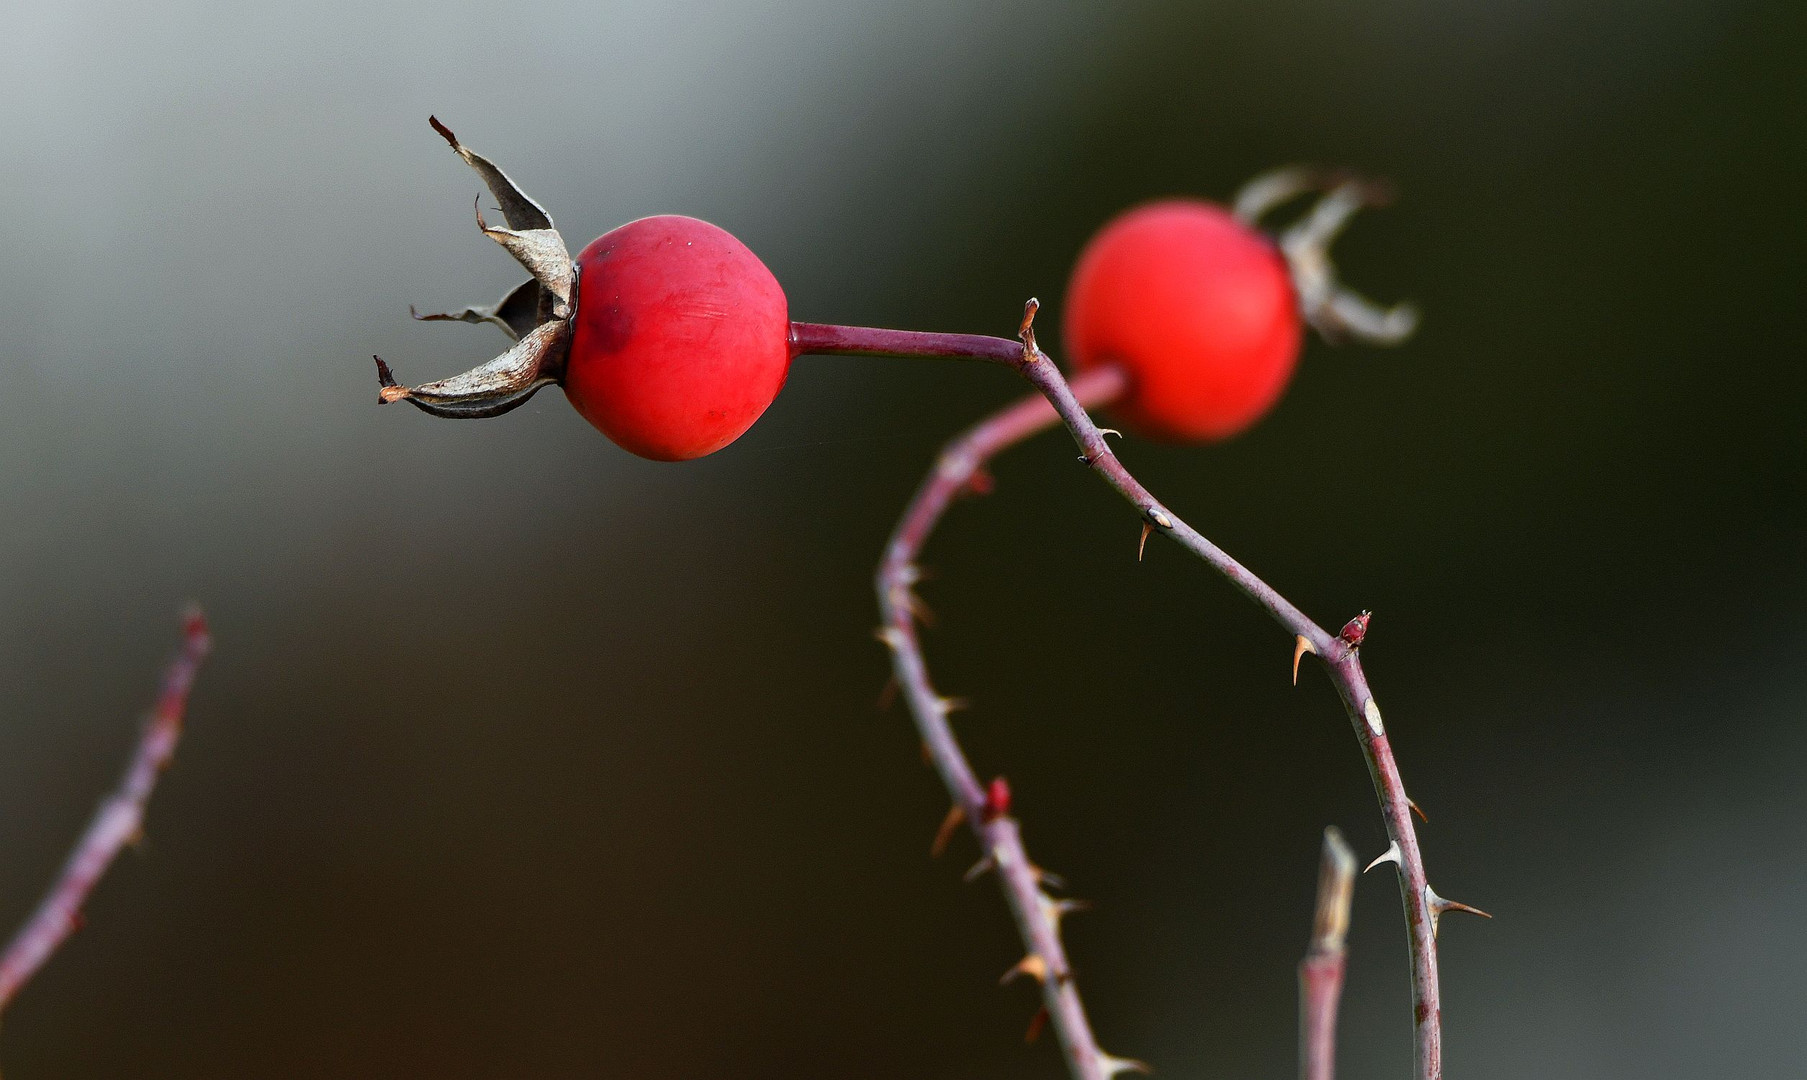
column 682, row 338
column 1196, row 307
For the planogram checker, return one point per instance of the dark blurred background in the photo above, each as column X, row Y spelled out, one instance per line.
column 521, row 757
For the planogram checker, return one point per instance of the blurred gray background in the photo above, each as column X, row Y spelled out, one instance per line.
column 520, row 757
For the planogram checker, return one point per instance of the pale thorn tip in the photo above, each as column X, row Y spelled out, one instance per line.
column 979, row 869
column 1390, row 855
column 1103, row 431
column 1300, row 648
column 956, row 817
column 951, row 704
column 1055, row 910
column 1422, row 816
column 1111, row 1066
column 1142, row 544
column 1032, row 965
column 889, row 636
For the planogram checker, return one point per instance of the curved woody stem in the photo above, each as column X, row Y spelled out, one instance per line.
column 1037, row 914
column 118, row 823
column 1341, row 658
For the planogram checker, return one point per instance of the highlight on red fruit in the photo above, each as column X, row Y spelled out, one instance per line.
column 1199, row 311
column 681, row 337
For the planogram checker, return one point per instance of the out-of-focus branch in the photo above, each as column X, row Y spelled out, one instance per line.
column 117, row 823
column 1321, row 972
column 960, row 468
column 1339, row 652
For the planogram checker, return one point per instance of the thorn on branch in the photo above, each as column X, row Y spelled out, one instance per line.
column 1300, row 648
column 1422, row 816
column 1026, row 332
column 1142, row 544
column 979, row 869
column 1439, row 905
column 1036, row 1024
column 1112, row 1066
column 956, row 817
column 1391, row 855
column 1032, row 965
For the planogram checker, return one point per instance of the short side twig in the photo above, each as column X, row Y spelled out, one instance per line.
column 1321, row 972
column 1037, row 914
column 1341, row 658
column 116, row 824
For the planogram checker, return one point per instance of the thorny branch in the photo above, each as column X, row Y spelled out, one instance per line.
column 118, row 822
column 1038, row 915
column 1341, row 657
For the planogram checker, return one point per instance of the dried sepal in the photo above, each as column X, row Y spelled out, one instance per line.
column 1331, row 309
column 492, row 388
column 537, row 314
column 516, row 314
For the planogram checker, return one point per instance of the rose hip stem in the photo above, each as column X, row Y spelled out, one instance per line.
column 1321, row 972
column 118, row 822
column 1342, row 661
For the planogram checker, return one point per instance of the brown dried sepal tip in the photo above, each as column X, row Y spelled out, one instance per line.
column 535, row 314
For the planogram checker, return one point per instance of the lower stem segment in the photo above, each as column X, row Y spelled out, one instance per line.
column 1342, row 661
column 1037, row 915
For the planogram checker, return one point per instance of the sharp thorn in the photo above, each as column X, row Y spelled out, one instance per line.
column 979, row 869
column 1103, row 431
column 1415, row 809
column 1032, row 965
column 1300, row 648
column 1044, row 877
column 956, row 817
column 952, row 704
column 1111, row 1066
column 1438, row 905
column 1142, row 544
column 889, row 636
column 1036, row 1024
column 1390, row 855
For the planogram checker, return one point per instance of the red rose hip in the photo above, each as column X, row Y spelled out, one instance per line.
column 1204, row 314
column 1199, row 311
column 680, row 338
column 667, row 334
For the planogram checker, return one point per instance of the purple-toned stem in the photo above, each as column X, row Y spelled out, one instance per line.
column 1342, row 661
column 1037, row 914
column 117, row 823
column 1321, row 972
